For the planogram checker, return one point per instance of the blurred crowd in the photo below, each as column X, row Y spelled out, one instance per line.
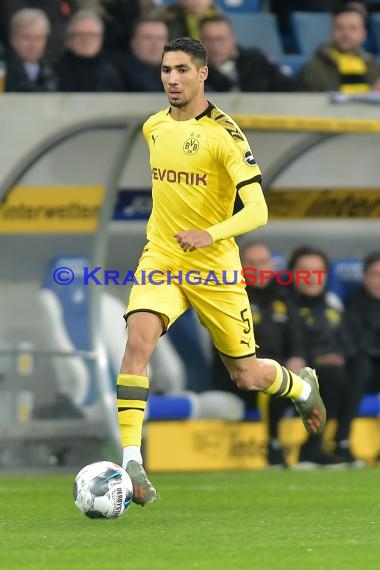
column 116, row 46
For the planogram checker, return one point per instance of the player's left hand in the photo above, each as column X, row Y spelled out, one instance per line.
column 190, row 240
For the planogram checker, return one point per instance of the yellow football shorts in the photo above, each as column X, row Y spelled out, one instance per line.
column 223, row 308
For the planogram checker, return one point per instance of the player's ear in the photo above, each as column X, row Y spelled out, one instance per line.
column 203, row 72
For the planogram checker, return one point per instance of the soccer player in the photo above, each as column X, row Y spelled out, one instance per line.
column 199, row 160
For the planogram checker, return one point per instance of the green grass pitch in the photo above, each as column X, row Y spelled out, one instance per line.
column 259, row 520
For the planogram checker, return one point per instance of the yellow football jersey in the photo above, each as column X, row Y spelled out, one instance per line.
column 197, row 167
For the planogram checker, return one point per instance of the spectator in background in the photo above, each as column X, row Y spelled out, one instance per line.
column 282, row 8
column 184, row 16
column 363, row 311
column 83, row 67
column 26, row 69
column 330, row 349
column 233, row 68
column 58, row 13
column 120, row 17
column 278, row 334
column 343, row 65
column 140, row 68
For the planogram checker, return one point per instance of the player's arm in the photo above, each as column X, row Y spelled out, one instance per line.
column 253, row 214
column 233, row 151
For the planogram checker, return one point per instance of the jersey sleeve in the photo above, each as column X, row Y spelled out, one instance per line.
column 235, row 154
column 233, row 151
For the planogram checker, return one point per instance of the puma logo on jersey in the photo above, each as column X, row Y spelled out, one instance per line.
column 244, row 342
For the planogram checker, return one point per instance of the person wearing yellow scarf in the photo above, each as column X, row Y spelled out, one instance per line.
column 343, row 65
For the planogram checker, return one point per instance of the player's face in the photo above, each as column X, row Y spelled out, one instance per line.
column 372, row 279
column 310, row 283
column 183, row 81
column 348, row 32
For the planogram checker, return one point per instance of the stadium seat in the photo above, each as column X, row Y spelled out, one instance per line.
column 310, row 30
column 279, row 260
column 172, row 407
column 370, row 406
column 374, row 30
column 257, row 30
column 74, row 298
column 291, row 64
column 216, row 404
column 344, row 277
column 249, row 6
column 73, row 304
column 73, row 377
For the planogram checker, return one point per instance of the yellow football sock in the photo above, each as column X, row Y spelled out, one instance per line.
column 132, row 395
column 286, row 384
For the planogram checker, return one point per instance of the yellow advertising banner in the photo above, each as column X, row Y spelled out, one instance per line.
column 307, row 124
column 215, row 445
column 209, row 445
column 51, row 209
column 337, row 203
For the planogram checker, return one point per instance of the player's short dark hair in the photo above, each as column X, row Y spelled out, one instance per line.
column 356, row 7
column 194, row 48
column 307, row 250
column 370, row 259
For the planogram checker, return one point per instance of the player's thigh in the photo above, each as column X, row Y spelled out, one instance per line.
column 225, row 311
column 152, row 293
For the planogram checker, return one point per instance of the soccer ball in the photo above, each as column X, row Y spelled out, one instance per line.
column 103, row 490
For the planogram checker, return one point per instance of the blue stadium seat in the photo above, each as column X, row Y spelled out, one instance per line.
column 239, row 5
column 74, row 298
column 310, row 30
column 257, row 30
column 291, row 64
column 279, row 260
column 179, row 407
column 74, row 303
column 370, row 406
column 374, row 30
column 344, row 277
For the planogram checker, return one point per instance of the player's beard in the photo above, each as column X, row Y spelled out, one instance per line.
column 178, row 104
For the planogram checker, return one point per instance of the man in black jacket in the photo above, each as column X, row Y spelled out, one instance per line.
column 83, row 67
column 278, row 332
column 363, row 311
column 330, row 349
column 232, row 68
column 140, row 68
column 26, row 70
